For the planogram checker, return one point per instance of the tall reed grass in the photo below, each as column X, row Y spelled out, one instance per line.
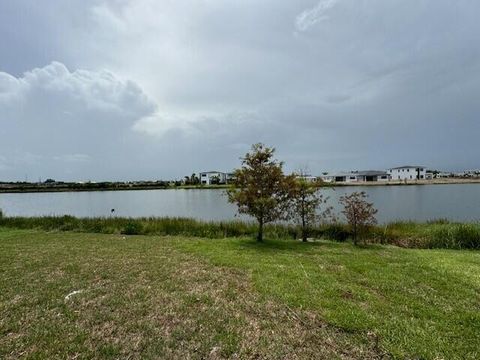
column 434, row 234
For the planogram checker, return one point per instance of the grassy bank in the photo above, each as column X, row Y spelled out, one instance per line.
column 78, row 295
column 435, row 234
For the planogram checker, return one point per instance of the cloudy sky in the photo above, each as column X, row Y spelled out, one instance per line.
column 157, row 89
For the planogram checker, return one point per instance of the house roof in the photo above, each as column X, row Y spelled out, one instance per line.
column 407, row 167
column 363, row 173
column 372, row 173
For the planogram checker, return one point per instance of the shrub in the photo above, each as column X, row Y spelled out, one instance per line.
column 359, row 213
column 132, row 228
column 405, row 234
column 456, row 236
column 336, row 232
column 468, row 236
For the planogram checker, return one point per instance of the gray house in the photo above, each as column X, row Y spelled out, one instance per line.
column 362, row 176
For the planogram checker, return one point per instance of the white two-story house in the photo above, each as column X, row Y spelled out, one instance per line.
column 216, row 178
column 408, row 173
column 212, row 177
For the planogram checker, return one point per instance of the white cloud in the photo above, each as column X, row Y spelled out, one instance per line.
column 92, row 90
column 310, row 17
column 80, row 114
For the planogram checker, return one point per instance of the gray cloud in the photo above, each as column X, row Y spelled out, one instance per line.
column 190, row 85
column 52, row 114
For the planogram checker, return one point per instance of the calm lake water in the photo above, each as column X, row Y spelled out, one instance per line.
column 423, row 202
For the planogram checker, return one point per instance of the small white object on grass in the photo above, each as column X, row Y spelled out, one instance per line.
column 73, row 293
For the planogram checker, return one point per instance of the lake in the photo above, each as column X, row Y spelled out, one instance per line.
column 459, row 202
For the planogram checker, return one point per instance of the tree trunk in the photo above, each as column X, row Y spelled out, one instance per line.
column 260, row 231
column 304, row 230
column 355, row 233
column 304, row 222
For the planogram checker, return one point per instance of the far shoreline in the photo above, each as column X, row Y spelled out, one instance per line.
column 445, row 181
column 31, row 188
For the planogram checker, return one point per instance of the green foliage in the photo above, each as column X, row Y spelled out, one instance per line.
column 404, row 234
column 336, row 232
column 260, row 189
column 305, row 200
column 359, row 213
column 132, row 228
column 457, row 236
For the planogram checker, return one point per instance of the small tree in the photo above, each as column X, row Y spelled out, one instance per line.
column 360, row 214
column 194, row 180
column 306, row 200
column 260, row 189
column 215, row 180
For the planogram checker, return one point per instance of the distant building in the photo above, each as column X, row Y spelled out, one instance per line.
column 327, row 178
column 471, row 173
column 408, row 173
column 229, row 178
column 308, row 178
column 444, row 174
column 359, row 176
column 212, row 177
column 216, row 177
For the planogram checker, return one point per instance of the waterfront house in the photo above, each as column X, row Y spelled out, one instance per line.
column 212, row 177
column 362, row 176
column 307, row 178
column 325, row 177
column 408, row 173
column 216, row 177
column 230, row 178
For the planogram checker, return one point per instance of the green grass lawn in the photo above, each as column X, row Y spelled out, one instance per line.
column 177, row 297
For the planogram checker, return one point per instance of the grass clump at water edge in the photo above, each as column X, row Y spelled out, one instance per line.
column 434, row 234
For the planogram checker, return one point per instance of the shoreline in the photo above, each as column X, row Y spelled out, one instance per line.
column 52, row 189
column 408, row 234
column 452, row 181
column 12, row 189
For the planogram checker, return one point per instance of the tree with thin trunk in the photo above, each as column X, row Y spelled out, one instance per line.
column 305, row 204
column 260, row 189
column 194, row 180
column 360, row 214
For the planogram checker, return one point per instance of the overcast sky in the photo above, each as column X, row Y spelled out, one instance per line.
column 151, row 89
